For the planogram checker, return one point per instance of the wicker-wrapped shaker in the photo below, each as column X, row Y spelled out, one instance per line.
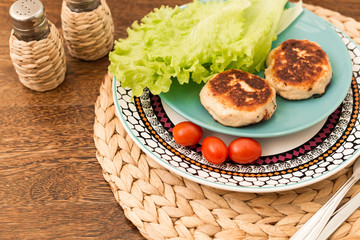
column 36, row 47
column 88, row 28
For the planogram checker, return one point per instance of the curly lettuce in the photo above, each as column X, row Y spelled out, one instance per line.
column 195, row 42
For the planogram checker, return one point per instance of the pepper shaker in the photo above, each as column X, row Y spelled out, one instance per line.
column 36, row 47
column 88, row 28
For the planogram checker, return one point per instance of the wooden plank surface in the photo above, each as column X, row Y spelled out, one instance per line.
column 51, row 183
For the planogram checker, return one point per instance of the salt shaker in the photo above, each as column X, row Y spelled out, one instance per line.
column 88, row 28
column 36, row 47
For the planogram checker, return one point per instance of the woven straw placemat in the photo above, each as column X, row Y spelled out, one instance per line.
column 163, row 205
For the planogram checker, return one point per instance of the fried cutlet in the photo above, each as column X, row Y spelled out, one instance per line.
column 298, row 69
column 236, row 98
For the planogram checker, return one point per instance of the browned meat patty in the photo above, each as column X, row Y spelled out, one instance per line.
column 298, row 69
column 237, row 98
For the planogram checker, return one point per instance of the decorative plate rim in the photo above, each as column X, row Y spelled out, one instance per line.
column 254, row 189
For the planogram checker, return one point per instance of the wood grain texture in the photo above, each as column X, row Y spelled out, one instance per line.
column 51, row 183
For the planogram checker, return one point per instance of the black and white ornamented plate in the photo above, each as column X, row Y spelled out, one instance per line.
column 288, row 162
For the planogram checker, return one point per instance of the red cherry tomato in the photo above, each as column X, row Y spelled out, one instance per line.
column 187, row 133
column 244, row 150
column 214, row 150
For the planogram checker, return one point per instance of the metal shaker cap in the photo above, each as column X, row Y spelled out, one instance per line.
column 29, row 20
column 83, row 5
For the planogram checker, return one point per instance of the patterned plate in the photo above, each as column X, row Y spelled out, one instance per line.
column 288, row 162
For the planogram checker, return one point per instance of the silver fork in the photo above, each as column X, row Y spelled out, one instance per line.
column 312, row 228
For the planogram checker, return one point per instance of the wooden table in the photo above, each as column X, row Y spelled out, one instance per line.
column 51, row 185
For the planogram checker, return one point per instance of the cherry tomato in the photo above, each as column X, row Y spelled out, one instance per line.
column 187, row 133
column 214, row 150
column 244, row 150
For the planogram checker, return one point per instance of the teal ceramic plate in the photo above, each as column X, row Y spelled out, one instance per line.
column 290, row 116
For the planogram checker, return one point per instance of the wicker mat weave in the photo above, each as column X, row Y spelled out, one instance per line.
column 163, row 205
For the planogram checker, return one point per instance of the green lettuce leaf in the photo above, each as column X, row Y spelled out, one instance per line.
column 195, row 42
column 289, row 15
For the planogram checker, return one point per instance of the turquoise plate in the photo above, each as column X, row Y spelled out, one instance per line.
column 290, row 116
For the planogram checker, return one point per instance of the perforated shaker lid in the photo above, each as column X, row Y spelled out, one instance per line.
column 28, row 18
column 83, row 5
